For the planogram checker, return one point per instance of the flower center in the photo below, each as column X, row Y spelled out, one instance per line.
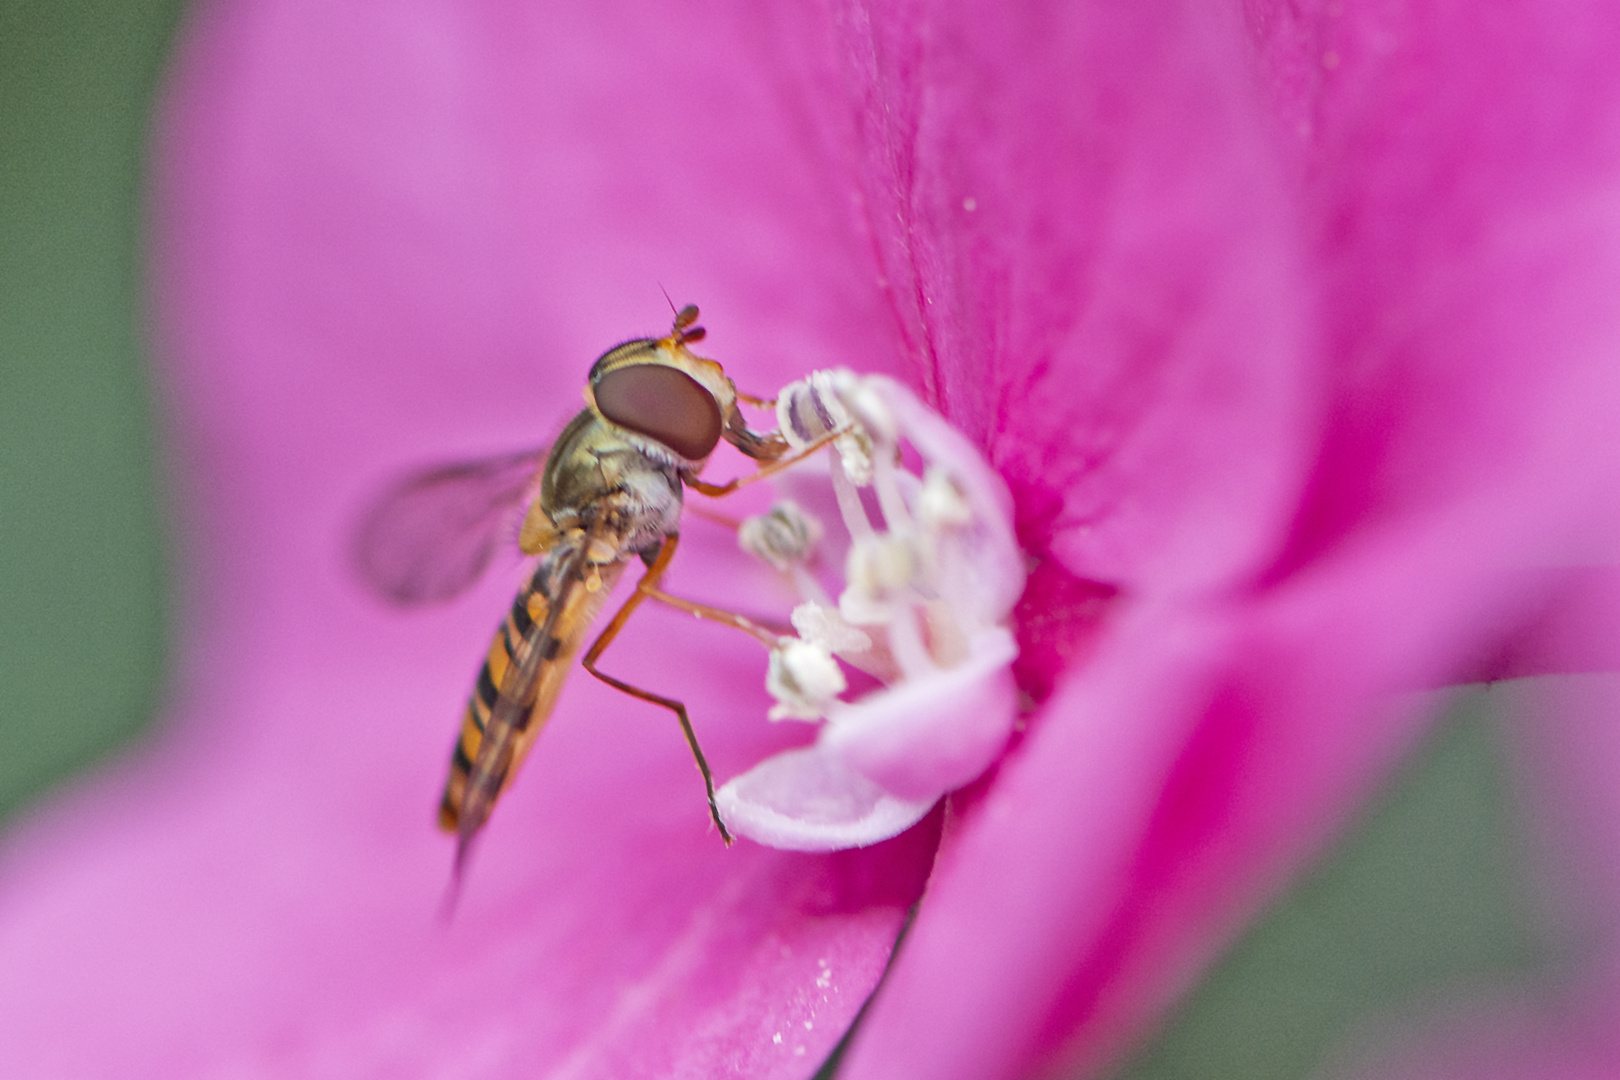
column 931, row 572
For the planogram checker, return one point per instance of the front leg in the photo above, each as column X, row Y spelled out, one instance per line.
column 769, row 468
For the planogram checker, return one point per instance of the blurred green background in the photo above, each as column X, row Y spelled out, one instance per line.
column 1419, row 900
column 83, row 578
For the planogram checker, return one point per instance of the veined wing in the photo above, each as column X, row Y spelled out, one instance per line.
column 518, row 686
column 429, row 536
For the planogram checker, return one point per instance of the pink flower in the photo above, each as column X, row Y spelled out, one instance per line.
column 1290, row 329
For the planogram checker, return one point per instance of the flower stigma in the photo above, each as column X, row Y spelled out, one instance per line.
column 930, row 574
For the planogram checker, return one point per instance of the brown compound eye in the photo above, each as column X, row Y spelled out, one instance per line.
column 661, row 403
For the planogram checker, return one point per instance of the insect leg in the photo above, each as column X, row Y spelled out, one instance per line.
column 770, row 468
column 748, row 626
column 756, row 402
column 646, row 587
column 715, row 516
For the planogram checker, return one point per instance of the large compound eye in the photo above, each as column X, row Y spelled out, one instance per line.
column 661, row 403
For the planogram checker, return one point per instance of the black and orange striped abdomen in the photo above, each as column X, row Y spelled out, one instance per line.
column 581, row 600
column 520, row 622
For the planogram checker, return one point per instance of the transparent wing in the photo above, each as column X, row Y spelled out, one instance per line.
column 429, row 536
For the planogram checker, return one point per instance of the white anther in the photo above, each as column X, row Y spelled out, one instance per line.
column 823, row 625
column 942, row 505
column 783, row 537
column 811, row 407
column 827, row 401
column 870, row 410
column 878, row 571
column 804, row 679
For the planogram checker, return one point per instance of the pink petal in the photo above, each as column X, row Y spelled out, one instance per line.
column 230, row 913
column 1467, row 243
column 1458, row 174
column 1047, row 188
column 1575, row 627
column 393, row 233
column 1164, row 793
column 934, row 733
column 1131, row 829
column 809, row 800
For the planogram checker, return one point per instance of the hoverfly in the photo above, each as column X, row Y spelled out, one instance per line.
column 610, row 489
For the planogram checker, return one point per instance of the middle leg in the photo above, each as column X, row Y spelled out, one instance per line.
column 648, row 586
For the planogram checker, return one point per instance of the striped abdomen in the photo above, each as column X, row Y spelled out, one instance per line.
column 578, row 598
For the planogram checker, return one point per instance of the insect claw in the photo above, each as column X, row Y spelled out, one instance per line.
column 719, row 823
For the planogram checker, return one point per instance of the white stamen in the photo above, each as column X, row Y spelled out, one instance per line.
column 822, row 625
column 879, row 571
column 805, row 680
column 849, row 500
column 906, row 643
column 828, row 401
column 928, row 591
column 942, row 505
column 863, row 399
column 890, row 501
column 784, row 536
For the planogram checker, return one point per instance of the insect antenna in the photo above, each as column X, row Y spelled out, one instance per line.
column 685, row 328
column 684, row 331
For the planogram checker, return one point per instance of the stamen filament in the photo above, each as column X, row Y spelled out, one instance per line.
column 906, row 644
column 849, row 501
column 890, row 501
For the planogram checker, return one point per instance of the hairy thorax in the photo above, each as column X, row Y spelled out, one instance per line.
column 600, row 482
